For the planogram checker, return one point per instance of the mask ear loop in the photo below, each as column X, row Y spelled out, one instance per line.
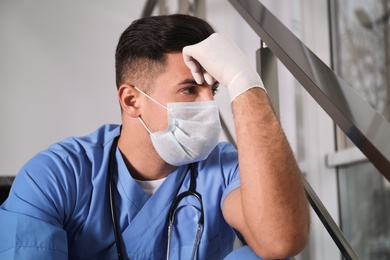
column 155, row 101
column 143, row 123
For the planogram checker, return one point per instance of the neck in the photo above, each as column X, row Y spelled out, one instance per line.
column 140, row 157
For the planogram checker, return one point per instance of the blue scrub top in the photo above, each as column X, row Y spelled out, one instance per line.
column 58, row 207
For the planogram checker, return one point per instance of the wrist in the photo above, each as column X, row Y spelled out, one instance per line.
column 243, row 81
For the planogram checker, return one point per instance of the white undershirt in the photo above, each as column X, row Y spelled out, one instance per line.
column 150, row 187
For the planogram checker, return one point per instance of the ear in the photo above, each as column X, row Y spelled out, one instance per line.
column 128, row 98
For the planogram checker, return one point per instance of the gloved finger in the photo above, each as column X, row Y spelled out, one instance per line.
column 192, row 64
column 198, row 77
column 208, row 78
column 195, row 68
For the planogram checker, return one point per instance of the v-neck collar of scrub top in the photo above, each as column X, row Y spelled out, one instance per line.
column 146, row 211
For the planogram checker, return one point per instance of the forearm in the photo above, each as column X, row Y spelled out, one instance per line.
column 273, row 201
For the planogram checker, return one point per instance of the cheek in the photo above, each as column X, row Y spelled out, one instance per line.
column 157, row 119
column 162, row 119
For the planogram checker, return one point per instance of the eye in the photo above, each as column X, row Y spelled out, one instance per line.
column 214, row 88
column 189, row 90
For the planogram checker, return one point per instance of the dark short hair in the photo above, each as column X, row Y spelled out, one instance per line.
column 142, row 47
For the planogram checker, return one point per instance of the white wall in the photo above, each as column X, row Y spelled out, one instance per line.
column 56, row 71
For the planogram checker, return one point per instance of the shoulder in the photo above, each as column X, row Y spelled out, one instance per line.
column 56, row 178
column 223, row 160
column 73, row 156
column 223, row 153
column 84, row 145
column 73, row 153
column 219, row 174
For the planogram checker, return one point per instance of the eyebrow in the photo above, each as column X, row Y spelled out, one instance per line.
column 187, row 81
column 192, row 81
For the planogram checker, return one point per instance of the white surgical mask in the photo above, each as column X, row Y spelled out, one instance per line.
column 192, row 133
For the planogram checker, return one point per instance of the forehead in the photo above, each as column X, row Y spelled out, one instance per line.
column 176, row 70
column 175, row 60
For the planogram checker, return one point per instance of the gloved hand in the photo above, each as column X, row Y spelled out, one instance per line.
column 217, row 57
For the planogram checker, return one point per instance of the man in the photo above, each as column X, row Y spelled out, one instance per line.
column 109, row 195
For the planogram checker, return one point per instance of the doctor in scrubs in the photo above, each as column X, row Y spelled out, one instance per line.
column 160, row 186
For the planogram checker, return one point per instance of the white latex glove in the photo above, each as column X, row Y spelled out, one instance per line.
column 217, row 57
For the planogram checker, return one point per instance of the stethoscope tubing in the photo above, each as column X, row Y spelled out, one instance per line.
column 112, row 204
column 171, row 214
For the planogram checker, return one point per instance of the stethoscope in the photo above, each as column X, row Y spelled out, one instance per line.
column 172, row 210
